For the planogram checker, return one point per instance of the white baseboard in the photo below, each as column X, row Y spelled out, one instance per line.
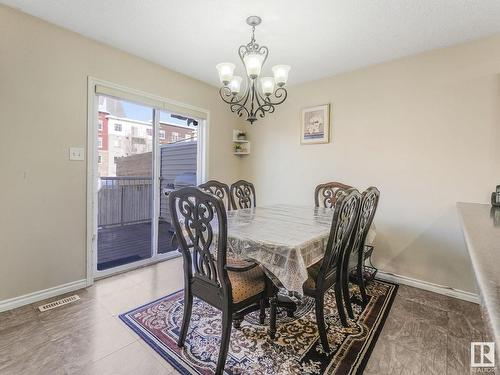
column 27, row 299
column 431, row 287
column 12, row 303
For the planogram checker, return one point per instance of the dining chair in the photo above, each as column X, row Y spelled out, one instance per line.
column 221, row 190
column 357, row 250
column 199, row 218
column 325, row 195
column 242, row 192
column 218, row 189
column 328, row 272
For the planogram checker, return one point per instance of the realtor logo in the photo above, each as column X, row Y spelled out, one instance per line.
column 482, row 354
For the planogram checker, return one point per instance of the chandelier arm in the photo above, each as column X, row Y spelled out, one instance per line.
column 264, row 51
column 227, row 96
column 235, row 104
column 266, row 106
column 247, row 85
column 258, row 98
column 242, row 105
column 252, row 102
column 239, row 108
column 281, row 94
column 263, row 98
column 242, row 51
column 246, row 97
column 269, row 106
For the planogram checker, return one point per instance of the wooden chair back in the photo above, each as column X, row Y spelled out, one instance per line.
column 194, row 215
column 219, row 189
column 242, row 195
column 325, row 195
column 344, row 218
column 369, row 203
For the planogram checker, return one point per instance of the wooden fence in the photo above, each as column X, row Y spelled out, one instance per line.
column 128, row 200
column 125, row 200
column 176, row 159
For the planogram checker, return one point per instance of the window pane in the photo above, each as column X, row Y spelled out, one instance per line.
column 125, row 197
column 178, row 155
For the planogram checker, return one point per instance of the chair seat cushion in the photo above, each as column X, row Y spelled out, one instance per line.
column 312, row 273
column 247, row 284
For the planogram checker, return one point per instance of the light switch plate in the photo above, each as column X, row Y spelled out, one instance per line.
column 76, row 153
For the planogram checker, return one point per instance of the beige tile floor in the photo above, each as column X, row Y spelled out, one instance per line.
column 425, row 333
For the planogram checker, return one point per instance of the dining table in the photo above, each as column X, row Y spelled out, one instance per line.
column 284, row 239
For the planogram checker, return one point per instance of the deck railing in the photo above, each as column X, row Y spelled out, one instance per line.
column 125, row 200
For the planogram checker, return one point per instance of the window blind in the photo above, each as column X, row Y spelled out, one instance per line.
column 151, row 101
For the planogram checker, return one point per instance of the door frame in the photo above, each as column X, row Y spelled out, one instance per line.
column 92, row 174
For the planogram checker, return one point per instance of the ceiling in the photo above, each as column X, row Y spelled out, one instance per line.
column 317, row 38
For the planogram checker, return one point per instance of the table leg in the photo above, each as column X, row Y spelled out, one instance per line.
column 273, row 301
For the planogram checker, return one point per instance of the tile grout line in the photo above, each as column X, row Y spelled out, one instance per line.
column 116, row 351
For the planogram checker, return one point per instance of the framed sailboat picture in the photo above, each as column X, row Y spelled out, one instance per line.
column 315, row 127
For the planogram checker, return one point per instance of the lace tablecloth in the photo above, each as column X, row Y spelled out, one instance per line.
column 284, row 239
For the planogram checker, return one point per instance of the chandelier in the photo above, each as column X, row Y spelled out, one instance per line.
column 261, row 94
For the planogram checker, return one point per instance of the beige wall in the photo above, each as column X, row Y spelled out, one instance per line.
column 424, row 129
column 43, row 111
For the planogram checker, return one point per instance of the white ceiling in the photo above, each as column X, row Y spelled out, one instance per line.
column 317, row 38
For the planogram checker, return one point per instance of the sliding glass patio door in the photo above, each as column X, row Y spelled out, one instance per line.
column 141, row 154
column 178, row 156
column 125, row 167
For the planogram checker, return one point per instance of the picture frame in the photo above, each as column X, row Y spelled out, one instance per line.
column 315, row 125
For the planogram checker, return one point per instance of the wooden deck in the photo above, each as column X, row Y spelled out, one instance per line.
column 129, row 243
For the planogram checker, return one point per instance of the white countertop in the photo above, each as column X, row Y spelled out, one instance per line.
column 481, row 227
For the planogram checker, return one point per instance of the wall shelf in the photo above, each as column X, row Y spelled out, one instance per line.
column 242, row 144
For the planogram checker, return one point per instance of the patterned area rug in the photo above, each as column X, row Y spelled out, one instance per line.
column 296, row 349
